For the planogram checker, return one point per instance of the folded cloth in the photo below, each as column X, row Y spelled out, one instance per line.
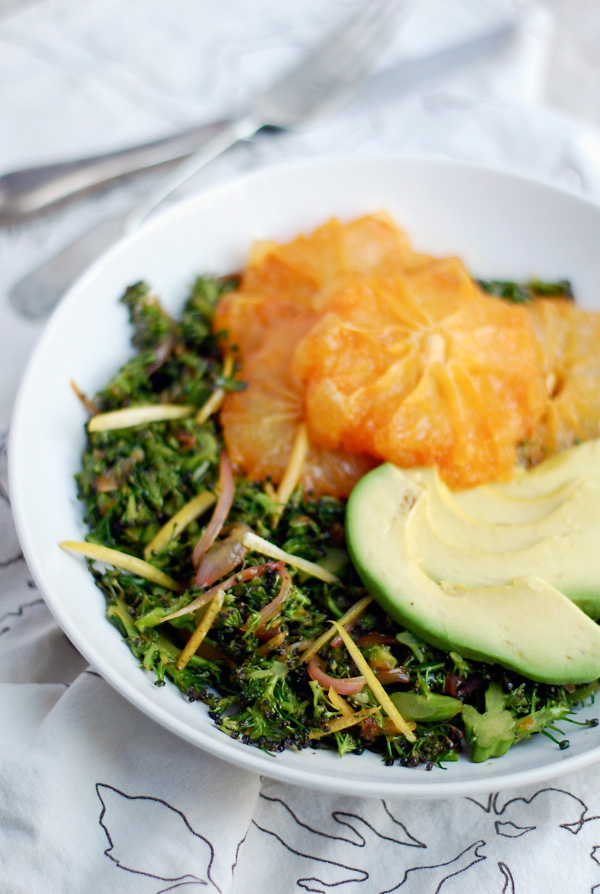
column 94, row 796
column 79, row 79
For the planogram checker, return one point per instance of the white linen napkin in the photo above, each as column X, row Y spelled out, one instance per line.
column 95, row 797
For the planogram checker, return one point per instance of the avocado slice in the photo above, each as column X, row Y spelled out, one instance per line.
column 582, row 461
column 518, row 618
column 563, row 545
column 490, row 503
column 528, row 495
column 570, row 509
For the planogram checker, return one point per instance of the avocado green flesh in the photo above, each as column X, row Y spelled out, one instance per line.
column 564, row 545
column 505, row 607
column 575, row 510
column 489, row 504
column 528, row 495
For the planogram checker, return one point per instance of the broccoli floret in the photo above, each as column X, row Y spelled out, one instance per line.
column 524, row 293
column 196, row 319
column 269, row 712
column 267, row 681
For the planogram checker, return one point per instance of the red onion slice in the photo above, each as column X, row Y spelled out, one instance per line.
column 222, row 557
column 270, row 611
column 337, row 640
column 221, row 511
column 241, row 577
column 346, row 686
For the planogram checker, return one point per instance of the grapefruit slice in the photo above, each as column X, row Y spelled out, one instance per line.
column 423, row 369
column 569, row 338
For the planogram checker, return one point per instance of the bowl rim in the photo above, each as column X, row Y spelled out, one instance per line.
column 247, row 757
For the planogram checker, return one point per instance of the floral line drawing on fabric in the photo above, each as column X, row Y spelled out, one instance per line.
column 4, row 495
column 237, row 854
column 391, row 848
column 12, row 560
column 509, row 882
column 19, row 613
column 345, row 819
column 381, row 847
column 11, row 550
column 140, row 831
column 494, row 801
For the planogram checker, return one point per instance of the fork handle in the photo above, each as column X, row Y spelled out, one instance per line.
column 231, row 133
column 26, row 192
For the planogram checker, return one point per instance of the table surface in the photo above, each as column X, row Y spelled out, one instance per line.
column 572, row 81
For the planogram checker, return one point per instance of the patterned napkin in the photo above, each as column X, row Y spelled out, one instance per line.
column 94, row 797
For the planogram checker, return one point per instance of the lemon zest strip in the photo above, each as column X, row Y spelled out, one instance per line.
column 123, row 561
column 293, row 470
column 128, row 417
column 217, row 397
column 258, row 544
column 178, row 522
column 201, row 630
column 338, row 702
column 271, row 644
column 353, row 612
column 374, row 685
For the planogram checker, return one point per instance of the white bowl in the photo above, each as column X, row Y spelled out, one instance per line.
column 502, row 225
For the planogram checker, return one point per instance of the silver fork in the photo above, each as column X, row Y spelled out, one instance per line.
column 320, row 85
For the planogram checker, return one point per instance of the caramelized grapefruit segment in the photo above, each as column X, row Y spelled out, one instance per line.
column 385, row 351
column 370, row 244
column 280, row 297
column 569, row 340
column 268, row 297
column 423, row 369
column 260, row 423
column 282, row 280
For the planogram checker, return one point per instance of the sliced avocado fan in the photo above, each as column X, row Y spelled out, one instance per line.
column 463, row 583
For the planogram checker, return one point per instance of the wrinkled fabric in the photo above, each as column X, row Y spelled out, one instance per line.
column 94, row 796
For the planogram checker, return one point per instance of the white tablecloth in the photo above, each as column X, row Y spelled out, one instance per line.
column 94, row 797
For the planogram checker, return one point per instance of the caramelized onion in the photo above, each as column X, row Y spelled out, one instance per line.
column 369, row 729
column 452, row 684
column 337, row 640
column 272, row 609
column 241, row 577
column 376, row 639
column 222, row 507
column 345, row 686
column 388, row 675
column 222, row 557
column 104, row 484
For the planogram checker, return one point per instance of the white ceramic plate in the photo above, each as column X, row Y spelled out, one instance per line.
column 502, row 225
